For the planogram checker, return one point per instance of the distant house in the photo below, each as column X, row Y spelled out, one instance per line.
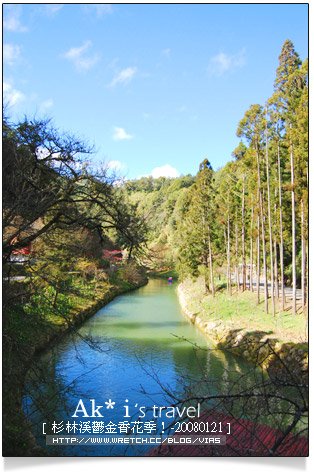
column 247, row 267
column 113, row 256
column 20, row 255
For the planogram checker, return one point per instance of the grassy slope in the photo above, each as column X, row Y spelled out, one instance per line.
column 240, row 311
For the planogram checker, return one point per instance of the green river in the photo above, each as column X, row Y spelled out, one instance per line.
column 140, row 348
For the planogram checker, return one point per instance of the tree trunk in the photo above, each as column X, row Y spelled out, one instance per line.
column 270, row 227
column 263, row 230
column 258, row 262
column 237, row 259
column 264, row 256
column 130, row 253
column 251, row 260
column 276, row 289
column 211, row 263
column 303, row 258
column 228, row 257
column 243, row 238
column 294, row 273
column 205, row 257
column 281, row 233
column 275, row 250
column 55, row 298
column 225, row 235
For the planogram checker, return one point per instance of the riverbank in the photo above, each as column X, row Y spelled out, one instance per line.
column 164, row 275
column 275, row 346
column 18, row 354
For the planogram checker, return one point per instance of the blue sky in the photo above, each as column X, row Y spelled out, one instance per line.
column 151, row 86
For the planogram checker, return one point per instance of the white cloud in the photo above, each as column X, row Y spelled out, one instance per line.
column 115, row 165
column 80, row 58
column 42, row 153
column 11, row 18
column 46, row 105
column 11, row 96
column 182, row 108
column 166, row 52
column 52, row 8
column 167, row 171
column 11, row 53
column 224, row 62
column 100, row 9
column 120, row 134
column 123, row 77
column 113, row 63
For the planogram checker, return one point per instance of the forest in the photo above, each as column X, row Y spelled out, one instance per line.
column 72, row 232
column 246, row 222
column 249, row 220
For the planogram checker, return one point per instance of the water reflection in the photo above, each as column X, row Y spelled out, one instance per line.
column 147, row 350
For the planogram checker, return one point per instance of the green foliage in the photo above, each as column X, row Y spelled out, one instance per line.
column 66, row 215
column 131, row 273
column 243, row 182
column 161, row 201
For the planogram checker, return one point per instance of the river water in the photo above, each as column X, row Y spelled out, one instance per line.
column 140, row 348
